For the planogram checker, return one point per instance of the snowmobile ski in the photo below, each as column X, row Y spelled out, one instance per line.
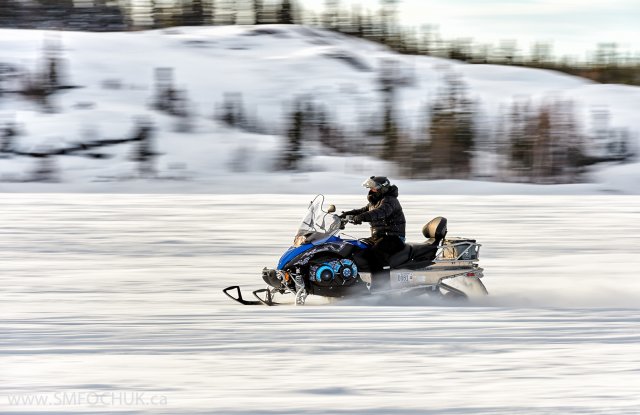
column 238, row 298
column 266, row 299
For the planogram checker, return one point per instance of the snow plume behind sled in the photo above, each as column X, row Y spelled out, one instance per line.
column 592, row 297
column 564, row 294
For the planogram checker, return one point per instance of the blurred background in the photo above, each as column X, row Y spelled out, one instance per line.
column 415, row 90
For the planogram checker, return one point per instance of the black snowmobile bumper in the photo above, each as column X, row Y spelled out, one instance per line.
column 271, row 278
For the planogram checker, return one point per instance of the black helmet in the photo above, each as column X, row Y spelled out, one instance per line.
column 378, row 183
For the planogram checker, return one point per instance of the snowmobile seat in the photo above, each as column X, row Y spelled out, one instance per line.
column 435, row 232
column 424, row 252
column 401, row 257
column 413, row 252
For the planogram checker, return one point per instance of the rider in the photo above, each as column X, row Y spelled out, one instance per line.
column 387, row 227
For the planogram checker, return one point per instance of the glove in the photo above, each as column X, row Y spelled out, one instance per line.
column 356, row 220
column 346, row 214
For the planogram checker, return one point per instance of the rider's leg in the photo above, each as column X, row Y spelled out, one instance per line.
column 378, row 258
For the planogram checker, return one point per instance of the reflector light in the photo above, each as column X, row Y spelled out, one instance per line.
column 471, row 274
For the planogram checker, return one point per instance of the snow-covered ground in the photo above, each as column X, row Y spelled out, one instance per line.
column 269, row 66
column 109, row 298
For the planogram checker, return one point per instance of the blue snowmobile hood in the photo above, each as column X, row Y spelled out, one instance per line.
column 294, row 251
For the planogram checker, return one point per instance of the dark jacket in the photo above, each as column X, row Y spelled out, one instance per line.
column 384, row 212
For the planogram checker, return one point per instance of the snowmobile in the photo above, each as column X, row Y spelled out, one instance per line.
column 323, row 263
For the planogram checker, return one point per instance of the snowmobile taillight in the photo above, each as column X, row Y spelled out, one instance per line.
column 471, row 274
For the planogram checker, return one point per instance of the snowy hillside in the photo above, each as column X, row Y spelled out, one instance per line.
column 268, row 66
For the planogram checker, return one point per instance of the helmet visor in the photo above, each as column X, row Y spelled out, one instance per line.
column 371, row 184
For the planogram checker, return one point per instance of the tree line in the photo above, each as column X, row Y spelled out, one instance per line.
column 531, row 142
column 606, row 64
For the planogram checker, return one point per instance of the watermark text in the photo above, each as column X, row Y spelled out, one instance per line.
column 86, row 398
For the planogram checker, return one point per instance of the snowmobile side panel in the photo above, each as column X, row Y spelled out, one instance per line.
column 291, row 253
column 357, row 243
column 295, row 251
column 341, row 248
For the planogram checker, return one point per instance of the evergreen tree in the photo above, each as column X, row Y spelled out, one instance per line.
column 7, row 138
column 46, row 170
column 158, row 19
column 52, row 76
column 358, row 23
column 165, row 92
column 226, row 12
column 542, row 150
column 541, row 55
column 463, row 139
column 389, row 24
column 293, row 151
column 387, row 86
column 193, row 14
column 143, row 152
column 211, row 12
column 126, row 7
column 440, row 140
column 232, row 111
column 520, row 139
column 451, row 133
column 285, row 12
column 420, row 159
column 390, row 131
column 545, row 145
column 330, row 15
column 8, row 14
column 258, row 12
column 233, row 13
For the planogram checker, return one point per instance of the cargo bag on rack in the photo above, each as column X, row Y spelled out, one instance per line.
column 460, row 249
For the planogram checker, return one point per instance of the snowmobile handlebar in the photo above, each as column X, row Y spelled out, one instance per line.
column 348, row 219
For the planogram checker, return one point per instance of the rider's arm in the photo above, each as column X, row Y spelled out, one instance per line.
column 356, row 211
column 385, row 209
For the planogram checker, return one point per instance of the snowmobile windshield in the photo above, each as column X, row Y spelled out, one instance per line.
column 317, row 223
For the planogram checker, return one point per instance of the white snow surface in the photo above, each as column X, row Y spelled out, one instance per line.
column 269, row 66
column 107, row 295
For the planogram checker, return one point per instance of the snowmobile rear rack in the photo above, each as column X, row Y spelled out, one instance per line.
column 266, row 300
